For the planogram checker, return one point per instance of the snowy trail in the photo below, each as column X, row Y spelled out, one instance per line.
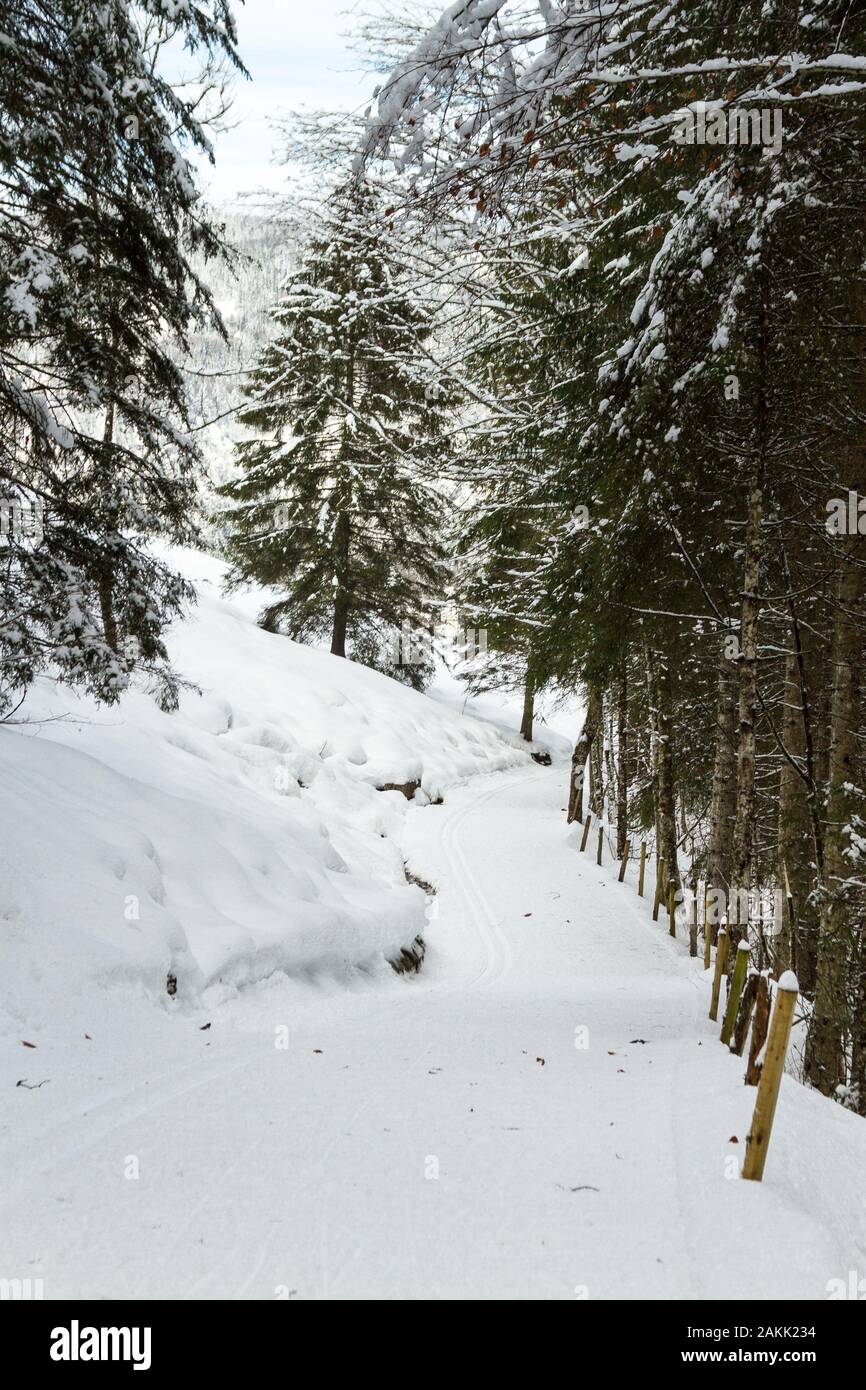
column 411, row 1143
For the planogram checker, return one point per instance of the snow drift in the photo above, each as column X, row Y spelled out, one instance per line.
column 240, row 836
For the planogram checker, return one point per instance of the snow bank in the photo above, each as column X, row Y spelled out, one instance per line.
column 241, row 836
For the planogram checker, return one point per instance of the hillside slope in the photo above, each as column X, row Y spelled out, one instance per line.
column 240, row 836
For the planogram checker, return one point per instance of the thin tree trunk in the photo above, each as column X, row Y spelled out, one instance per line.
column 659, row 689
column 582, row 750
column 825, row 1050
column 724, row 792
column 744, row 823
column 622, row 767
column 106, row 578
column 342, row 542
column 528, row 709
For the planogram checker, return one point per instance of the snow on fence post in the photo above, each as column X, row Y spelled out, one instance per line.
column 642, row 869
column 721, row 962
column 660, row 878
column 758, row 1139
column 625, row 855
column 586, row 825
column 738, row 979
column 600, row 843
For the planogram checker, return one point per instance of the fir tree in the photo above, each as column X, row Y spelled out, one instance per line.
column 334, row 507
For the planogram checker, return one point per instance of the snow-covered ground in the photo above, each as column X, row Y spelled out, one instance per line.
column 543, row 1112
column 243, row 834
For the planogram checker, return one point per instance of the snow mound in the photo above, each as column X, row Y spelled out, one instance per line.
column 240, row 836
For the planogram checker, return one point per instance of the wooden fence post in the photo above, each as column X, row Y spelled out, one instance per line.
column 708, row 931
column 758, row 1140
column 721, row 962
column 600, row 843
column 624, row 864
column 693, row 922
column 672, row 907
column 642, row 868
column 738, row 979
column 660, row 878
column 585, row 837
column 744, row 1016
column 759, row 1031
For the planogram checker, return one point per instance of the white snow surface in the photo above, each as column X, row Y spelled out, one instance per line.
column 241, row 835
column 544, row 1112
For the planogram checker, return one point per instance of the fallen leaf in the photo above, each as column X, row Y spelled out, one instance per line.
column 88, row 1037
column 27, row 1044
column 527, row 914
column 733, row 1139
column 540, row 1059
column 318, row 1049
column 204, row 1027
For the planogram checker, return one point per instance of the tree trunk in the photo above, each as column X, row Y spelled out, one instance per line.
column 724, row 792
column 794, row 945
column 528, row 709
column 582, row 750
column 744, row 822
column 622, row 767
column 664, row 792
column 342, row 542
column 825, row 1049
column 106, row 578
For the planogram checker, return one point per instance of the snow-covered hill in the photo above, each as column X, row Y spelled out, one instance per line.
column 241, row 836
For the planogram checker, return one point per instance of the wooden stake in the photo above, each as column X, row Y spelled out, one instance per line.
column 708, row 931
column 642, row 869
column 693, row 922
column 586, row 825
column 624, row 864
column 759, row 1031
column 672, row 907
column 758, row 1140
column 721, row 962
column 738, row 979
column 660, row 878
column 600, row 843
column 744, row 1016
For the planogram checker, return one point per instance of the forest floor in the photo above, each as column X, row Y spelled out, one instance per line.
column 543, row 1112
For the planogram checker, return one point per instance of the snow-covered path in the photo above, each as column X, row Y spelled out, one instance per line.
column 544, row 1112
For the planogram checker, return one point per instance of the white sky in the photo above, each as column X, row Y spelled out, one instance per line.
column 298, row 57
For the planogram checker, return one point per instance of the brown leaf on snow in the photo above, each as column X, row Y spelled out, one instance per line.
column 317, row 1049
column 733, row 1139
column 540, row 1059
column 27, row 1044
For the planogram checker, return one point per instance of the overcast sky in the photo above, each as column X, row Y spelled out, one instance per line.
column 298, row 57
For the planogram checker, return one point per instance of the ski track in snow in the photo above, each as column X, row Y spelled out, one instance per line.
column 308, row 1173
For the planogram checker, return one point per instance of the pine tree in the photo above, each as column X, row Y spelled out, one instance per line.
column 97, row 219
column 334, row 506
